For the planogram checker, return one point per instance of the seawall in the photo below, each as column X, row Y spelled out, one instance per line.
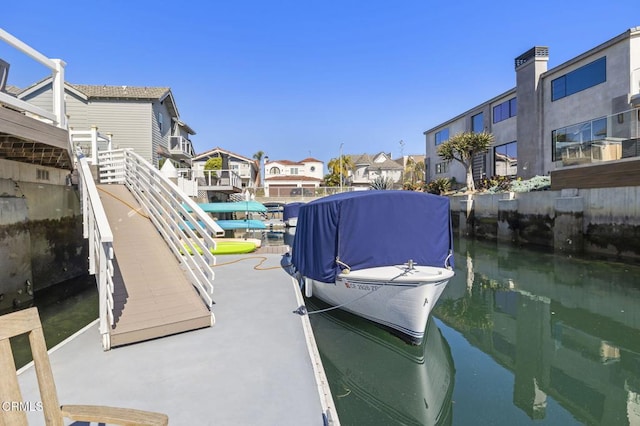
column 600, row 221
column 41, row 240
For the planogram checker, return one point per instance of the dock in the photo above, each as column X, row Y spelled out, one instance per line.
column 257, row 366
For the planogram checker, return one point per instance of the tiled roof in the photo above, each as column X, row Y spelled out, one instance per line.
column 310, row 160
column 286, row 162
column 121, row 92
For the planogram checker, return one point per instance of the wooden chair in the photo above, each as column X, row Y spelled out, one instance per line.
column 28, row 322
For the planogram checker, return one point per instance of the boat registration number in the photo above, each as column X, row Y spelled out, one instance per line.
column 360, row 286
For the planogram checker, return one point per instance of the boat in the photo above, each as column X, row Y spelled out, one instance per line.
column 290, row 213
column 232, row 207
column 379, row 379
column 233, row 224
column 384, row 255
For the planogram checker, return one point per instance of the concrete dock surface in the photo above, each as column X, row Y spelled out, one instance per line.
column 258, row 365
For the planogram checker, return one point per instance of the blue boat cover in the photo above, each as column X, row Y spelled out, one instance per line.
column 366, row 229
column 291, row 210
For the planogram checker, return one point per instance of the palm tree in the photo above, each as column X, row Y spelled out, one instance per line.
column 462, row 147
column 258, row 157
column 334, row 169
column 418, row 172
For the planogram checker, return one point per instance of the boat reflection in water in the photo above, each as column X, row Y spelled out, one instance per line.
column 378, row 379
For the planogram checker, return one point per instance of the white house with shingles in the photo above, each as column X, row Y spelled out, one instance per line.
column 143, row 118
column 367, row 168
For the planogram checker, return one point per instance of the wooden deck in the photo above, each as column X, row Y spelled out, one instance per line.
column 28, row 140
column 152, row 296
column 605, row 175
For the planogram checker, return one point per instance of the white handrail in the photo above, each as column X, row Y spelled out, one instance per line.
column 89, row 142
column 56, row 66
column 97, row 230
column 185, row 227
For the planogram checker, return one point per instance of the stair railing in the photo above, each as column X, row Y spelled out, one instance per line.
column 96, row 229
column 185, row 227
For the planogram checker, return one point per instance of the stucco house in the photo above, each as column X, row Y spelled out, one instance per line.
column 284, row 178
column 143, row 118
column 578, row 122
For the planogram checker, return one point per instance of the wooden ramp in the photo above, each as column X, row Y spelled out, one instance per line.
column 152, row 295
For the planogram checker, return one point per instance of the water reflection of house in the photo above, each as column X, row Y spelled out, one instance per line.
column 581, row 125
column 554, row 328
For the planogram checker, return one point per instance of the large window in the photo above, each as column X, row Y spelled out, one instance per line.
column 442, row 136
column 573, row 143
column 477, row 123
column 505, row 159
column 505, row 110
column 584, row 77
column 442, row 167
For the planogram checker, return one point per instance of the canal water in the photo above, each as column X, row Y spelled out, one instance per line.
column 519, row 337
column 64, row 309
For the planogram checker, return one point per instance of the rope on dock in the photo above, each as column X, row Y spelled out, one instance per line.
column 256, row 267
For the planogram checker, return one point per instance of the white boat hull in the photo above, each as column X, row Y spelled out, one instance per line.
column 393, row 296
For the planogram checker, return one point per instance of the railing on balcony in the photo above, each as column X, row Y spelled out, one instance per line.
column 218, row 179
column 610, row 138
column 180, row 147
column 58, row 117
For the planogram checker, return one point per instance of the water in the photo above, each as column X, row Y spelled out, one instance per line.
column 519, row 337
column 64, row 309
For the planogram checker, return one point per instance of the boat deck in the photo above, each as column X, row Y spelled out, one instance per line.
column 257, row 366
column 152, row 295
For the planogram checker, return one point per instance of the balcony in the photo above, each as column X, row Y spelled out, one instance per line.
column 227, row 181
column 180, row 148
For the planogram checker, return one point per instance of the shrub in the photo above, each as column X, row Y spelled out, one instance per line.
column 438, row 186
column 536, row 183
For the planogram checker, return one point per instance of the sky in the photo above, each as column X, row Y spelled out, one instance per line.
column 297, row 79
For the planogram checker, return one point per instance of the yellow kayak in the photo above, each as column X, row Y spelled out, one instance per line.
column 228, row 247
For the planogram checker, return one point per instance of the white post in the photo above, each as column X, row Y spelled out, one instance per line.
column 94, row 145
column 264, row 171
column 58, row 93
column 341, row 166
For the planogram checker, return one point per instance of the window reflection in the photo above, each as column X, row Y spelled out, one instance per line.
column 506, row 159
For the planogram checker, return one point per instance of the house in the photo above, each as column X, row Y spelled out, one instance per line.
column 367, row 168
column 578, row 122
column 143, row 118
column 237, row 173
column 284, row 178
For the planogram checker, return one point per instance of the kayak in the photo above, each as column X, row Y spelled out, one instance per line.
column 228, row 247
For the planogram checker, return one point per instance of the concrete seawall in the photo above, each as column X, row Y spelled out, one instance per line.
column 41, row 240
column 587, row 221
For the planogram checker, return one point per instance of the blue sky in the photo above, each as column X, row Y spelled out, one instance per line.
column 298, row 78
